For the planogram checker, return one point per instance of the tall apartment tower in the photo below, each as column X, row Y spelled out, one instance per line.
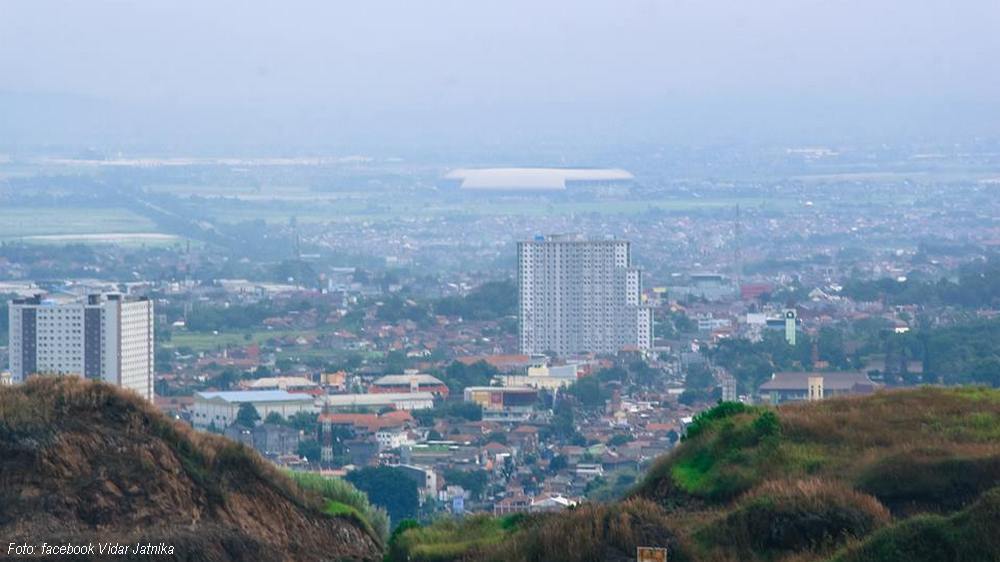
column 105, row 337
column 579, row 296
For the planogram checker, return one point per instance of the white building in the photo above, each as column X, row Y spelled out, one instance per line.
column 544, row 376
column 105, row 337
column 580, row 296
column 375, row 401
column 392, row 437
column 219, row 409
column 520, row 180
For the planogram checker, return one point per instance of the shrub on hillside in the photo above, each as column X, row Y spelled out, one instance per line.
column 782, row 516
column 931, row 479
column 342, row 492
column 606, row 532
column 733, row 448
column 447, row 539
column 705, row 419
column 971, row 535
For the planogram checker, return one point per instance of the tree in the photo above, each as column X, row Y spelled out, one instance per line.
column 619, row 439
column 228, row 377
column 496, row 437
column 691, row 397
column 389, row 488
column 395, row 362
column 303, row 421
column 164, row 360
column 247, row 416
column 612, row 374
column 274, row 418
column 458, row 375
column 425, row 417
column 558, row 463
column 489, row 301
column 310, row 449
column 470, row 411
column 830, row 347
column 699, row 377
column 683, row 324
column 472, row 481
column 642, row 374
column 562, row 425
column 589, row 392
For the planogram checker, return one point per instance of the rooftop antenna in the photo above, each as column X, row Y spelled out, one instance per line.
column 326, row 431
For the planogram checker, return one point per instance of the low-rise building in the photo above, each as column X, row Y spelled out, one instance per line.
column 503, row 403
column 544, row 377
column 796, row 386
column 219, row 409
column 376, row 401
column 409, row 382
column 392, row 437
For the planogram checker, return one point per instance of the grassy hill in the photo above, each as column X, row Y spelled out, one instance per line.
column 86, row 462
column 903, row 475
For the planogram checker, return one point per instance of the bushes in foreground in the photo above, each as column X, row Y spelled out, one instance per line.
column 806, row 515
column 590, row 532
column 449, row 539
column 971, row 535
column 934, row 480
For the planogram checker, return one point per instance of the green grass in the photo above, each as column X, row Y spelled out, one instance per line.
column 448, row 539
column 736, row 445
column 207, row 341
column 338, row 508
column 341, row 499
column 725, row 453
column 16, row 222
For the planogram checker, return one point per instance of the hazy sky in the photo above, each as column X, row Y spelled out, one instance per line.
column 498, row 69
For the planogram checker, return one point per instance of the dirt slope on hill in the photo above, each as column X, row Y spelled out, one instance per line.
column 85, row 462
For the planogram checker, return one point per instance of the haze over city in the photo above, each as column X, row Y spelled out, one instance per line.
column 455, row 281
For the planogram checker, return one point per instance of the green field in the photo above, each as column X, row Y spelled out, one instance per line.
column 326, row 210
column 207, row 341
column 56, row 225
column 17, row 222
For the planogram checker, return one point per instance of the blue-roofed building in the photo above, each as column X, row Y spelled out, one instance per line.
column 218, row 409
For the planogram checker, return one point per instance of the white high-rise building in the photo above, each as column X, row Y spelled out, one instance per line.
column 579, row 296
column 105, row 337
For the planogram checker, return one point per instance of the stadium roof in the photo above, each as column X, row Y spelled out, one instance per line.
column 533, row 179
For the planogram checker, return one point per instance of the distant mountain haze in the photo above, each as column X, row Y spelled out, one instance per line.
column 314, row 73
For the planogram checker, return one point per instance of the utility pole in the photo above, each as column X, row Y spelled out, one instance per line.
column 738, row 251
